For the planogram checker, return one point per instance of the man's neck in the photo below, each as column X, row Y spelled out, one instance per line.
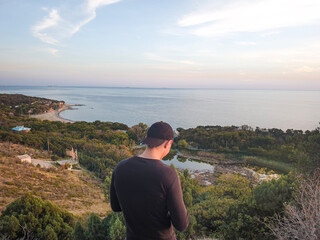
column 151, row 153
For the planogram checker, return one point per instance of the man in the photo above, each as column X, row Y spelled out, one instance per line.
column 148, row 191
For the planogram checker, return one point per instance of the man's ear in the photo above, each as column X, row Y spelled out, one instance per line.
column 168, row 143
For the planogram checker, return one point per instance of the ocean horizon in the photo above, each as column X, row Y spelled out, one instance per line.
column 185, row 107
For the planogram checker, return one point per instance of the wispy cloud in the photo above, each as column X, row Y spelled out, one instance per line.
column 61, row 24
column 251, row 16
column 155, row 57
column 50, row 21
column 307, row 69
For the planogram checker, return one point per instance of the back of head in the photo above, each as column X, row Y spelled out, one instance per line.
column 158, row 133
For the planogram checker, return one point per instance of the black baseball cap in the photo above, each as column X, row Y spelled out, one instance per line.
column 158, row 133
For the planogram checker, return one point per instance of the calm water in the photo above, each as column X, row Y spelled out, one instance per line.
column 189, row 164
column 187, row 107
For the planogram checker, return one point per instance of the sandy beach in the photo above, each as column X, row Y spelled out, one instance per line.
column 54, row 115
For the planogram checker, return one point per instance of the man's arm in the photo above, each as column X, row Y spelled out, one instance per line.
column 114, row 202
column 176, row 207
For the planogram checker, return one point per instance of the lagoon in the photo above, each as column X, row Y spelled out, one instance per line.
column 186, row 163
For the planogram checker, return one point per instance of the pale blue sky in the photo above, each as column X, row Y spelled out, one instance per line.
column 268, row 44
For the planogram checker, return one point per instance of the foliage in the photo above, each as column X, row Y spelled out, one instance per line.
column 110, row 228
column 117, row 228
column 182, row 144
column 54, row 158
column 270, row 197
column 292, row 147
column 19, row 104
column 138, row 132
column 107, row 185
column 248, row 219
column 265, row 163
column 212, row 212
column 100, row 145
column 30, row 216
column 302, row 216
column 234, row 209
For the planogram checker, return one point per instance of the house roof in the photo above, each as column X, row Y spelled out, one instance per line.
column 20, row 128
column 25, row 156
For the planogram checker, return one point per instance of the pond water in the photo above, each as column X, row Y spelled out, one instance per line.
column 187, row 163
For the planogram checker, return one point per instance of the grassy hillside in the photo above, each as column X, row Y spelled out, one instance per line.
column 78, row 192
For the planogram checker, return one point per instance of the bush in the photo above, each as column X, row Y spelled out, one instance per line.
column 302, row 217
column 54, row 158
column 30, row 217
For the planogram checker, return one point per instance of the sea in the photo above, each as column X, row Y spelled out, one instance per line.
column 185, row 108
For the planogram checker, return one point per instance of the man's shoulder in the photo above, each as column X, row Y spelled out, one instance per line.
column 160, row 166
column 123, row 162
column 170, row 170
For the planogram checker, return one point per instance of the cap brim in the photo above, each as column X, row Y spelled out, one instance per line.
column 153, row 142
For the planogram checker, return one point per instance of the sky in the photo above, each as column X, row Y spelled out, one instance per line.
column 237, row 44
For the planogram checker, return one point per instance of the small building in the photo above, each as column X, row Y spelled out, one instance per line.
column 21, row 129
column 73, row 154
column 24, row 158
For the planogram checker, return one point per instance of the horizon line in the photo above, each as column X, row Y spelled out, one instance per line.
column 186, row 88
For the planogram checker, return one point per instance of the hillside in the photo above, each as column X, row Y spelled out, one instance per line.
column 18, row 104
column 77, row 192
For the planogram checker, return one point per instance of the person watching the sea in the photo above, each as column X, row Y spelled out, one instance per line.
column 148, row 191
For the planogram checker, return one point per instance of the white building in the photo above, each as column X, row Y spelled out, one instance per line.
column 24, row 158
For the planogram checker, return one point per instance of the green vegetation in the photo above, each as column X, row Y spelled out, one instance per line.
column 29, row 217
column 292, row 148
column 182, row 144
column 271, row 164
column 19, row 105
column 232, row 208
column 99, row 143
column 110, row 228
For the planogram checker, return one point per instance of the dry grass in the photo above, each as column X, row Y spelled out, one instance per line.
column 78, row 192
column 11, row 150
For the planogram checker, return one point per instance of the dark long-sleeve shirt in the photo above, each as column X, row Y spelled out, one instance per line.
column 149, row 194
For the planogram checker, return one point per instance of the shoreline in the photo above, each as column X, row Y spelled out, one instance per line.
column 54, row 115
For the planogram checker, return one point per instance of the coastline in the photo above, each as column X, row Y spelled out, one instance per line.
column 54, row 115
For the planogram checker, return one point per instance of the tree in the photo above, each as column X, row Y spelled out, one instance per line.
column 301, row 218
column 182, row 144
column 269, row 197
column 79, row 232
column 213, row 209
column 190, row 231
column 117, row 227
column 94, row 230
column 138, row 132
column 30, row 214
column 107, row 184
column 49, row 233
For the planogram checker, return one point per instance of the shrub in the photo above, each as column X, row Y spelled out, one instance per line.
column 30, row 217
column 54, row 158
